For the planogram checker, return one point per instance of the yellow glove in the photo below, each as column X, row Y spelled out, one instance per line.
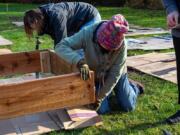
column 84, row 69
column 95, row 106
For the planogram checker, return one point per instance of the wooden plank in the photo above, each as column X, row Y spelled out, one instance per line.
column 59, row 66
column 45, row 94
column 24, row 62
column 45, row 62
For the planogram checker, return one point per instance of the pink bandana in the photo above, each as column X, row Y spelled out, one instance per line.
column 110, row 35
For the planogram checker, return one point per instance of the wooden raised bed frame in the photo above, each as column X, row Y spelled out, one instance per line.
column 65, row 89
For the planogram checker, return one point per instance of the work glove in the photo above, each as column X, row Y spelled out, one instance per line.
column 97, row 105
column 84, row 69
column 94, row 106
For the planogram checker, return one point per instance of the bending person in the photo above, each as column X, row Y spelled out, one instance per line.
column 60, row 20
column 105, row 53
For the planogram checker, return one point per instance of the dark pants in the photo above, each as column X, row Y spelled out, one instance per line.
column 176, row 42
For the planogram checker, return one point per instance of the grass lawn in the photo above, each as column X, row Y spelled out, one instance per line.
column 159, row 100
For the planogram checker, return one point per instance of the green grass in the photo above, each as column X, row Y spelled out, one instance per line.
column 16, row 7
column 15, row 12
column 142, row 17
column 159, row 100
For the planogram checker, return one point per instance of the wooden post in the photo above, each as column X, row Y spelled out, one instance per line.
column 45, row 61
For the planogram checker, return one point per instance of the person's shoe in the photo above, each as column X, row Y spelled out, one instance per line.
column 175, row 118
column 139, row 85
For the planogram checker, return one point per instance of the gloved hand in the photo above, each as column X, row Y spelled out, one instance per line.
column 95, row 106
column 84, row 69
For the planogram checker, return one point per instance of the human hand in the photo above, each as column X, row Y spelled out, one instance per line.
column 95, row 106
column 172, row 19
column 84, row 70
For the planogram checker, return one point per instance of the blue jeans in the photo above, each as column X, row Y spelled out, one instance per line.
column 126, row 94
column 93, row 21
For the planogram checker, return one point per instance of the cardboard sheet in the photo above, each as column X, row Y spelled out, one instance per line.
column 69, row 124
column 161, row 65
column 45, row 122
column 22, row 78
column 81, row 113
column 137, row 31
column 16, row 79
column 4, row 42
column 150, row 43
column 18, row 24
column 28, row 125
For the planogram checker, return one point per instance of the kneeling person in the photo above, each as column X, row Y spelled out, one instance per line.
column 105, row 53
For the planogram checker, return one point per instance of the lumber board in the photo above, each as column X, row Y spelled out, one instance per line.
column 60, row 66
column 23, row 62
column 45, row 94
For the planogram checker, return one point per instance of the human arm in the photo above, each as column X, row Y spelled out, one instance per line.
column 66, row 47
